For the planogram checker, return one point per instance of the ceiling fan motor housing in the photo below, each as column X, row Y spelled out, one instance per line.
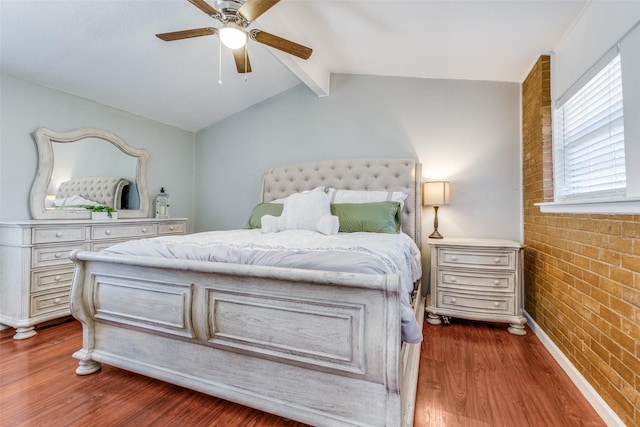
column 229, row 12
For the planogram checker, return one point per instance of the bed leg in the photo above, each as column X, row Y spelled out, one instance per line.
column 86, row 365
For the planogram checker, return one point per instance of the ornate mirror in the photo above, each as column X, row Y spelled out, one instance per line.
column 88, row 166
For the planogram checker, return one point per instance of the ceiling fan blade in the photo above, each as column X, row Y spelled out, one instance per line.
column 240, row 55
column 252, row 9
column 281, row 44
column 185, row 34
column 205, row 7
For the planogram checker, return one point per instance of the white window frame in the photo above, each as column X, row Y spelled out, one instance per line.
column 611, row 205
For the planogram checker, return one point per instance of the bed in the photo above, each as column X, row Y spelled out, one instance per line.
column 111, row 191
column 317, row 346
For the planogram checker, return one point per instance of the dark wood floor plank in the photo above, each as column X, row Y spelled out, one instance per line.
column 471, row 374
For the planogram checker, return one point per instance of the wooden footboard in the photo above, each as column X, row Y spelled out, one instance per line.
column 318, row 347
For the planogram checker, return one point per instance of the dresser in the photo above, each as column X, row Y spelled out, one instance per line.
column 477, row 279
column 35, row 269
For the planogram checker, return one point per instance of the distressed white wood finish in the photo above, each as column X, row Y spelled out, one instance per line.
column 315, row 346
column 36, row 272
column 477, row 279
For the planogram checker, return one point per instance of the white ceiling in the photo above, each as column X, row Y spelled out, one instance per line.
column 106, row 50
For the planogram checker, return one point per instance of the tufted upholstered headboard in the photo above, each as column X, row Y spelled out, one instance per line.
column 105, row 190
column 353, row 174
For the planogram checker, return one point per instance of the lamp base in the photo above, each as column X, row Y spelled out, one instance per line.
column 435, row 235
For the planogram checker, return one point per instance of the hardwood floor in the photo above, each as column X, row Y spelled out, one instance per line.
column 471, row 374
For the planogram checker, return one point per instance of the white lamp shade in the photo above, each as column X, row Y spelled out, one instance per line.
column 435, row 193
column 232, row 36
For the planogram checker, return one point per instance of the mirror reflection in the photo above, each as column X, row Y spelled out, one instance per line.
column 87, row 167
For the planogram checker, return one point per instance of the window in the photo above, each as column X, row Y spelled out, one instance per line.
column 588, row 149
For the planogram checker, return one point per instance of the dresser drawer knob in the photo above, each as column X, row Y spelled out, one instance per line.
column 107, row 232
column 454, row 258
column 57, row 255
column 453, row 279
column 56, row 301
column 496, row 260
column 171, row 227
column 144, row 230
column 453, row 300
column 58, row 278
column 496, row 282
column 497, row 304
column 59, row 234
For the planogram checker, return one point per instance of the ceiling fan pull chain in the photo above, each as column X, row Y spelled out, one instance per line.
column 219, row 61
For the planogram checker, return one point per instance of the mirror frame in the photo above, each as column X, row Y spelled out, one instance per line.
column 46, row 137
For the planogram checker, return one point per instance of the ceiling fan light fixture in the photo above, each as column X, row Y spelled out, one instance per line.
column 232, row 36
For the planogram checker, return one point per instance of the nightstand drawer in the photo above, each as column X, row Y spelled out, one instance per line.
column 175, row 228
column 100, row 232
column 53, row 235
column 474, row 258
column 51, row 279
column 50, row 303
column 477, row 281
column 53, row 255
column 476, row 303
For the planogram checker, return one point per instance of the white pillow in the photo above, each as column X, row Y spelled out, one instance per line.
column 281, row 200
column 363, row 196
column 303, row 211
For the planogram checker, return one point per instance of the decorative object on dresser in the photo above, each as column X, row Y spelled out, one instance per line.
column 36, row 274
column 477, row 279
column 436, row 194
column 162, row 204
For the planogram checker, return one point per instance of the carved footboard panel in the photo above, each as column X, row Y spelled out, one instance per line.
column 319, row 347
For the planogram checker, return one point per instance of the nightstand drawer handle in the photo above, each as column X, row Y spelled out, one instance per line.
column 57, row 278
column 453, row 300
column 57, row 255
column 496, row 282
column 497, row 304
column 144, row 230
column 496, row 260
column 56, row 301
column 59, row 234
column 454, row 258
column 453, row 279
column 107, row 232
column 171, row 227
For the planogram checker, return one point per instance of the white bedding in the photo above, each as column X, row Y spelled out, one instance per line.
column 371, row 253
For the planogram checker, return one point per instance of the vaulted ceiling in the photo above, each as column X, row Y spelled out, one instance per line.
column 106, row 51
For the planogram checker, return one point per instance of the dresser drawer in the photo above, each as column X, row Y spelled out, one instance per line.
column 51, row 279
column 53, row 235
column 476, row 303
column 488, row 281
column 53, row 255
column 175, row 228
column 54, row 302
column 477, row 259
column 100, row 232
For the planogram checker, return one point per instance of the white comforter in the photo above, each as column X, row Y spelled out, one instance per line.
column 372, row 253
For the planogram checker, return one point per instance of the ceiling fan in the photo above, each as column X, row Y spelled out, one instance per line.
column 235, row 16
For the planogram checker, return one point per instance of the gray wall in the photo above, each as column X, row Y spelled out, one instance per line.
column 467, row 132
column 24, row 107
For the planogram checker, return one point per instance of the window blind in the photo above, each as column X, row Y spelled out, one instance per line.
column 589, row 154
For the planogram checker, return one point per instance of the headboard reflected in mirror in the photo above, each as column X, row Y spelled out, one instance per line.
column 84, row 167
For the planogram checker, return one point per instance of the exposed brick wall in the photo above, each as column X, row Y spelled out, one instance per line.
column 581, row 272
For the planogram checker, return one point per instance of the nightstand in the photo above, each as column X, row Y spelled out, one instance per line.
column 477, row 279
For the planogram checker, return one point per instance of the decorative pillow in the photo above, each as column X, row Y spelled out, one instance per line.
column 363, row 196
column 303, row 211
column 377, row 217
column 320, row 189
column 262, row 209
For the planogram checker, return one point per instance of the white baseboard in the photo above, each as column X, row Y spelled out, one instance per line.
column 598, row 403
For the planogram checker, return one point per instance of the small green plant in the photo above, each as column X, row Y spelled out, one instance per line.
column 101, row 208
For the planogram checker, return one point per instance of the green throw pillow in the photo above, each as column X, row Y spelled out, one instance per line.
column 376, row 217
column 261, row 209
